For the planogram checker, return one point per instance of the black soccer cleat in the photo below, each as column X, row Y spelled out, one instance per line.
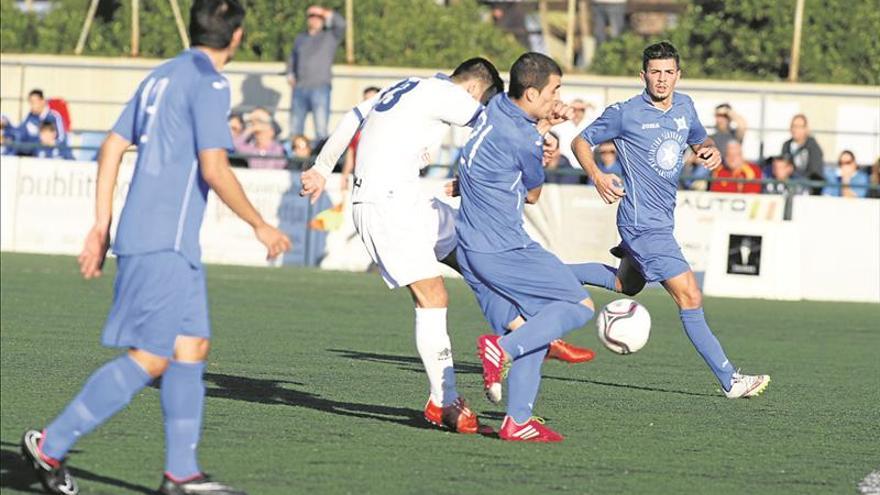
column 55, row 479
column 202, row 484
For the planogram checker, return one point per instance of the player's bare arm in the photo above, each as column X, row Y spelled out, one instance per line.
column 708, row 153
column 94, row 252
column 607, row 185
column 215, row 169
column 533, row 195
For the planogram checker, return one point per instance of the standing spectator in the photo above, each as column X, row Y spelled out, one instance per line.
column 29, row 131
column 608, row 19
column 258, row 141
column 348, row 165
column 782, row 169
column 803, row 151
column 729, row 126
column 846, row 180
column 50, row 146
column 736, row 167
column 608, row 162
column 568, row 130
column 308, row 70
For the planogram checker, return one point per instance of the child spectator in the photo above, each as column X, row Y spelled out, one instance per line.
column 29, row 130
column 50, row 145
column 782, row 169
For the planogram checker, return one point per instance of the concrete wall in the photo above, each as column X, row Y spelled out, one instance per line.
column 842, row 117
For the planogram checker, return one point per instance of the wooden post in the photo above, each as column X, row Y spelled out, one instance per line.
column 796, row 42
column 545, row 25
column 569, row 36
column 588, row 44
column 178, row 19
column 349, row 31
column 90, row 16
column 135, row 27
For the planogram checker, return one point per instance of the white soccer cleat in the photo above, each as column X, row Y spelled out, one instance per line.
column 745, row 386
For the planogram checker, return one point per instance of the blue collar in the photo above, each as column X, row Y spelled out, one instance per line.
column 443, row 76
column 509, row 107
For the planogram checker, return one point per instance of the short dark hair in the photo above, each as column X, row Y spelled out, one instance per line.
column 484, row 71
column 48, row 126
column 531, row 70
column 371, row 89
column 660, row 51
column 212, row 22
column 37, row 92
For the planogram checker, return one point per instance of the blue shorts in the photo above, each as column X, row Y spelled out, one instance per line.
column 156, row 297
column 656, row 253
column 518, row 282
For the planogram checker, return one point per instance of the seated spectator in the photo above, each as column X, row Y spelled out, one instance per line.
column 29, row 130
column 50, row 145
column 846, row 180
column 875, row 180
column 236, row 124
column 258, row 141
column 729, row 126
column 7, row 136
column 351, row 154
column 782, row 169
column 736, row 167
column 803, row 151
column 302, row 152
column 558, row 169
column 607, row 160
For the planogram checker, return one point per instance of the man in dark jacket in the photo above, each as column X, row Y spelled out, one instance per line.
column 803, row 151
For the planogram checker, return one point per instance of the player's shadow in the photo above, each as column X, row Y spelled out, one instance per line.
column 15, row 474
column 409, row 363
column 280, row 392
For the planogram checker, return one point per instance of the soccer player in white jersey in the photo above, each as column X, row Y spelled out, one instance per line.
column 404, row 232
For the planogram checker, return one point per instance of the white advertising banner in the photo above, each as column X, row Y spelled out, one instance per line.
column 697, row 212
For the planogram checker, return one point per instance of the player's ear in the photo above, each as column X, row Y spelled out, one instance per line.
column 237, row 36
column 532, row 94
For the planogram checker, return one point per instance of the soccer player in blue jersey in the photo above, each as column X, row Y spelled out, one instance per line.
column 651, row 132
column 515, row 280
column 177, row 120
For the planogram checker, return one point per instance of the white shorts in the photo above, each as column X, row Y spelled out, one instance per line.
column 406, row 239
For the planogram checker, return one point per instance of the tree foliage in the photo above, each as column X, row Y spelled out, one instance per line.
column 751, row 39
column 411, row 33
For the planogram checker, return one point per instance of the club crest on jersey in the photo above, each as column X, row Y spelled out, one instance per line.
column 665, row 154
column 681, row 123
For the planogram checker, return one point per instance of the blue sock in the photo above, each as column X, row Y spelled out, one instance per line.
column 707, row 345
column 183, row 398
column 523, row 382
column 595, row 274
column 551, row 323
column 106, row 392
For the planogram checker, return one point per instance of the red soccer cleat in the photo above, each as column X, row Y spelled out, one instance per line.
column 457, row 416
column 561, row 350
column 495, row 366
column 533, row 431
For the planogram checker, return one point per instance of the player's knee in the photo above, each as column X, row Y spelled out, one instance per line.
column 153, row 364
column 430, row 293
column 691, row 299
column 191, row 349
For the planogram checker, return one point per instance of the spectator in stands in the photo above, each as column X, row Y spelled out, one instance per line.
column 7, row 136
column 50, row 145
column 609, row 17
column 302, row 152
column 309, row 66
column 875, row 180
column 567, row 130
column 735, row 167
column 258, row 142
column 236, row 124
column 29, row 130
column 846, row 180
column 558, row 169
column 782, row 169
column 607, row 160
column 351, row 155
column 729, row 126
column 803, row 151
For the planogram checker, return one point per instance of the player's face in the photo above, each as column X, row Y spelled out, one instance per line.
column 547, row 97
column 660, row 78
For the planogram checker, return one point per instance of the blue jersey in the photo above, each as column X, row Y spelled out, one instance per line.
column 650, row 144
column 179, row 110
column 501, row 161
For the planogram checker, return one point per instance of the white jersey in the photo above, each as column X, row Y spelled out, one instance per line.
column 400, row 125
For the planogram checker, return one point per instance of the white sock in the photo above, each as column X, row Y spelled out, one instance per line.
column 434, row 347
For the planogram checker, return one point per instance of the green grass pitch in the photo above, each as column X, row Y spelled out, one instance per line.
column 314, row 387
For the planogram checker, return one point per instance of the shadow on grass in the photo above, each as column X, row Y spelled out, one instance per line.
column 409, row 363
column 16, row 474
column 279, row 392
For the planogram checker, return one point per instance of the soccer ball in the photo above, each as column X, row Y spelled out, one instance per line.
column 624, row 326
